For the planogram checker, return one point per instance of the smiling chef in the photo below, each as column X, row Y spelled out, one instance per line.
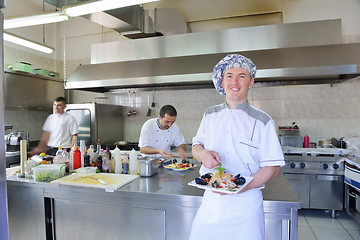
column 243, row 139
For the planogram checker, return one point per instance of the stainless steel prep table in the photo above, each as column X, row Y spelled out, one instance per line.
column 159, row 207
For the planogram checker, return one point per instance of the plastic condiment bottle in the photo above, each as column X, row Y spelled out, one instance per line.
column 133, row 162
column 111, row 164
column 105, row 163
column 125, row 163
column 306, row 141
column 77, row 158
column 116, row 155
column 91, row 153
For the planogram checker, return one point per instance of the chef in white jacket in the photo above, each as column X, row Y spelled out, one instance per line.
column 243, row 139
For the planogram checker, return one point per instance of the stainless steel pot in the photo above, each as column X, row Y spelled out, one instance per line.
column 148, row 166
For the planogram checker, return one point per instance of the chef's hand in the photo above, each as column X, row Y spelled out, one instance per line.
column 165, row 154
column 209, row 159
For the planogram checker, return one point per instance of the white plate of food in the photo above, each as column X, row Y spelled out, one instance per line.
column 180, row 166
column 224, row 184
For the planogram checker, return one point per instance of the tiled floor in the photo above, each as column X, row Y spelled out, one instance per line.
column 318, row 225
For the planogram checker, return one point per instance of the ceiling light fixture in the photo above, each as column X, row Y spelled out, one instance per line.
column 99, row 6
column 32, row 20
column 27, row 43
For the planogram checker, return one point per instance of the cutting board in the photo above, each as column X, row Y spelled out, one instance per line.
column 114, row 181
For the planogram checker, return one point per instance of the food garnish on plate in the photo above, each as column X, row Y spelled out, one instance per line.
column 221, row 180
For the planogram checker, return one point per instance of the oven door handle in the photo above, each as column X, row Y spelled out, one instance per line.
column 352, row 194
column 327, row 178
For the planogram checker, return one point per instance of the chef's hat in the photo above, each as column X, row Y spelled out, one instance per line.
column 231, row 61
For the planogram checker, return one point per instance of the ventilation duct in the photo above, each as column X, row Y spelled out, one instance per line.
column 134, row 22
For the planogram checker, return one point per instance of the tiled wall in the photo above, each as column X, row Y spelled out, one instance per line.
column 321, row 111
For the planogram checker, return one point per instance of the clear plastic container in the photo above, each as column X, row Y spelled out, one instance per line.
column 85, row 171
column 48, row 172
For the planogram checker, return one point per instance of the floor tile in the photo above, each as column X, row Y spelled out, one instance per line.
column 331, row 234
column 348, row 222
column 305, row 233
column 354, row 234
column 321, row 219
column 302, row 222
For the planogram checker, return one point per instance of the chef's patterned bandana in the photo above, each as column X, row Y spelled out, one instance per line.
column 231, row 61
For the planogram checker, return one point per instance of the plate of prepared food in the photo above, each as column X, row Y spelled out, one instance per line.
column 221, row 181
column 180, row 166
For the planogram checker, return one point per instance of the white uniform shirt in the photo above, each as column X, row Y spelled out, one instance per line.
column 244, row 137
column 61, row 128
column 246, row 140
column 152, row 136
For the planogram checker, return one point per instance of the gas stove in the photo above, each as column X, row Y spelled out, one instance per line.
column 313, row 163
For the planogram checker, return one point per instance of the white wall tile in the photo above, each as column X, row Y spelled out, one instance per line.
column 307, row 108
column 354, row 88
column 275, row 93
column 341, row 90
column 324, row 129
column 291, row 108
column 323, row 91
column 340, row 128
column 354, row 107
column 324, row 108
column 259, row 93
column 307, row 91
column 292, row 92
column 276, row 108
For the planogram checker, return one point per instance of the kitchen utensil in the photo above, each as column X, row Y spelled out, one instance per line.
column 148, row 114
column 130, row 111
column 153, row 97
column 134, row 98
column 99, row 180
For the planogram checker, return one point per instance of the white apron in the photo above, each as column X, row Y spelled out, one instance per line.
column 236, row 217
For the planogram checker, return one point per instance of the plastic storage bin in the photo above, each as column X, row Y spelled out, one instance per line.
column 22, row 66
column 48, row 172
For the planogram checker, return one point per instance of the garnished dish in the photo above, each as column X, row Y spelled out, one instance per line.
column 184, row 165
column 221, row 181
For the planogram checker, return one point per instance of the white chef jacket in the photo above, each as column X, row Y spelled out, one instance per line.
column 152, row 136
column 246, row 140
column 61, row 128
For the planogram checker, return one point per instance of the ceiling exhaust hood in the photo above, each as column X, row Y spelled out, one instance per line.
column 309, row 52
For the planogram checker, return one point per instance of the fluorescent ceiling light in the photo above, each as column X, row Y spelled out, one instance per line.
column 99, row 6
column 35, row 20
column 27, row 43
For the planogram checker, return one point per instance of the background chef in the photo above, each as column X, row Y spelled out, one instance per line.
column 159, row 134
column 244, row 140
column 60, row 130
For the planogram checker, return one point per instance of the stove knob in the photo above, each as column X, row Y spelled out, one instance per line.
column 335, row 166
column 292, row 165
column 325, row 166
column 302, row 165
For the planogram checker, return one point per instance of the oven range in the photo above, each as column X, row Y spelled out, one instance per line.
column 317, row 179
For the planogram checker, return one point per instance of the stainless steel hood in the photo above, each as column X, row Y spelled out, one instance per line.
column 310, row 52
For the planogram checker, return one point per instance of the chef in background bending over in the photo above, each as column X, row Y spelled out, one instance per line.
column 243, row 139
column 159, row 134
column 60, row 130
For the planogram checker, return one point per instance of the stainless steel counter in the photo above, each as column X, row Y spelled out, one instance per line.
column 162, row 206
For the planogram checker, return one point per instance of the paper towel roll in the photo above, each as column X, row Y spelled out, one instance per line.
column 23, row 155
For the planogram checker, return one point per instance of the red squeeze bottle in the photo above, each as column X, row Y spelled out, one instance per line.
column 306, row 141
column 77, row 158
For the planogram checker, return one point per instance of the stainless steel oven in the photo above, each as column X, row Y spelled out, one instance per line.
column 317, row 179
